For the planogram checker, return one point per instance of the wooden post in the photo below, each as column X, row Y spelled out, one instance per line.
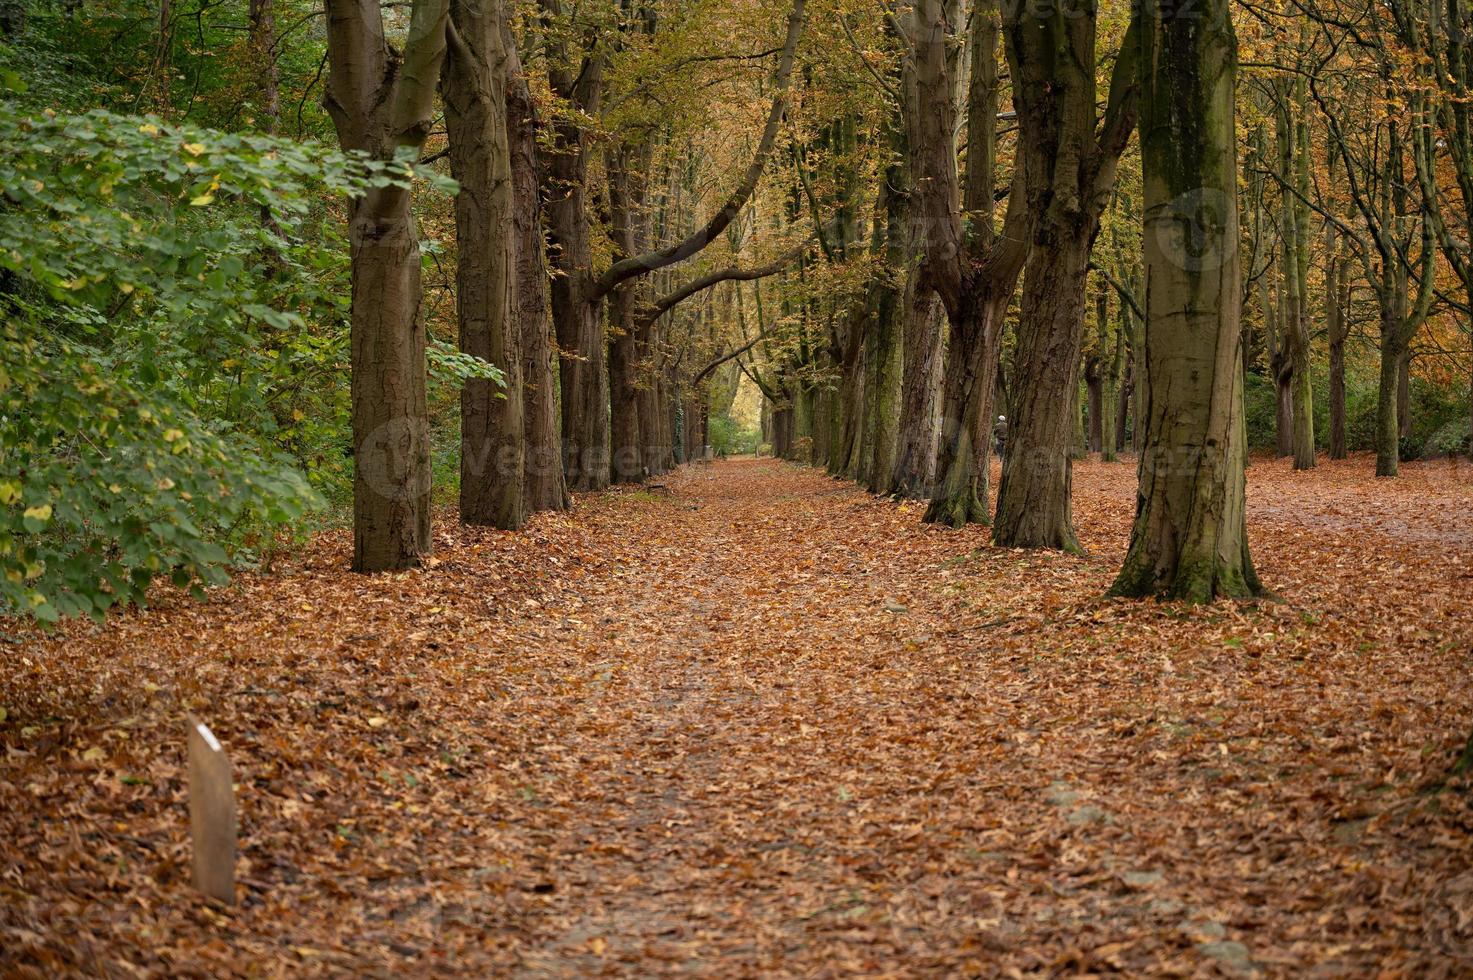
column 211, row 814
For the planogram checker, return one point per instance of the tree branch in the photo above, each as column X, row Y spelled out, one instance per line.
column 639, row 265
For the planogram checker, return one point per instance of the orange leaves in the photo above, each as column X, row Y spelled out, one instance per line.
column 789, row 731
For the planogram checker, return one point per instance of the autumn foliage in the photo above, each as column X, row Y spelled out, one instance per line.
column 755, row 721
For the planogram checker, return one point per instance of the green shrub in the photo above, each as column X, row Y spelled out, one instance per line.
column 174, row 350
column 728, row 438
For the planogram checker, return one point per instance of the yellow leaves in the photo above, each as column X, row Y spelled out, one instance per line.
column 149, row 129
column 9, row 492
column 171, row 434
column 40, row 513
column 208, row 197
column 194, row 149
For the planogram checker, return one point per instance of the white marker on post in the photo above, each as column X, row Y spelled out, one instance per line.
column 211, row 814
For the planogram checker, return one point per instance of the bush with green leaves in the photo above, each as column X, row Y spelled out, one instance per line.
column 175, row 348
column 729, row 438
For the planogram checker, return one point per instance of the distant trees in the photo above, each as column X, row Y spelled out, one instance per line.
column 825, row 208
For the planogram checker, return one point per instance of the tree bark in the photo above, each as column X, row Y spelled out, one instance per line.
column 473, row 88
column 1336, row 275
column 577, row 307
column 1189, row 540
column 381, row 100
column 543, row 485
column 971, row 268
column 922, row 320
column 1069, row 156
column 1299, row 329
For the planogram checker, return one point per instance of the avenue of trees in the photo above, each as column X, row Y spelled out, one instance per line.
column 258, row 255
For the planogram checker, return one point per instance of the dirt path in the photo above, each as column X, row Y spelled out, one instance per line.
column 755, row 722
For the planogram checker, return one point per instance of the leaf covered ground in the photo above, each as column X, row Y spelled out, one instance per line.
column 756, row 722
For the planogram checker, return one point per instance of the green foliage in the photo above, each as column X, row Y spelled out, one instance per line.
column 1440, row 423
column 728, row 438
column 175, row 339
column 106, row 486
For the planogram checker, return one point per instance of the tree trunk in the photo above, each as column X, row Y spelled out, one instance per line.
column 1284, row 407
column 1111, row 403
column 262, row 16
column 1123, row 403
column 543, row 485
column 473, row 88
column 1069, row 155
column 624, row 436
column 1335, row 327
column 970, row 266
column 1303, row 383
column 381, row 100
column 882, row 385
column 1033, row 499
column 1189, row 540
column 1404, row 394
column 577, row 306
column 654, row 413
column 391, row 430
column 921, row 363
column 626, row 167
column 1094, row 380
column 959, row 497
column 1388, row 428
column 845, row 453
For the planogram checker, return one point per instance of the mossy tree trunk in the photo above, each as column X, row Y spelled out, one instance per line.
column 1190, row 540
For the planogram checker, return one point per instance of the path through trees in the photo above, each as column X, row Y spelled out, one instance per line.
column 757, row 721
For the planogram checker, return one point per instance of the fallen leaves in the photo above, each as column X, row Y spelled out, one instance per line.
column 791, row 731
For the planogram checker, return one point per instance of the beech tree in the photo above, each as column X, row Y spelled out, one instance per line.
column 971, row 267
column 544, row 486
column 474, row 88
column 381, row 101
column 1068, row 154
column 1190, row 538
column 578, row 291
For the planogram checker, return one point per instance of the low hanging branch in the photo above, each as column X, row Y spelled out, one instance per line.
column 679, row 295
column 639, row 265
column 713, row 365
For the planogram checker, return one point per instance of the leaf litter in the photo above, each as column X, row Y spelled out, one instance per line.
column 762, row 723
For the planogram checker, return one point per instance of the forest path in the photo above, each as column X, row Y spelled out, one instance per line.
column 756, row 722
